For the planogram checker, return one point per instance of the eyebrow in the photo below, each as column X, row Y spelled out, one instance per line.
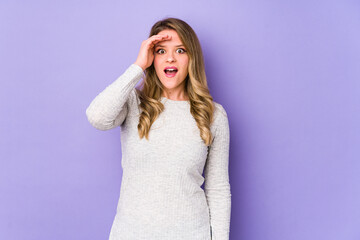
column 164, row 46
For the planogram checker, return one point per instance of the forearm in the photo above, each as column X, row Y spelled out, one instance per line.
column 110, row 103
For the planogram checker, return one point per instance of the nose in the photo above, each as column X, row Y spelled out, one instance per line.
column 170, row 57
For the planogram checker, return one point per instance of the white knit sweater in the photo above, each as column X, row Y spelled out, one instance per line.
column 161, row 196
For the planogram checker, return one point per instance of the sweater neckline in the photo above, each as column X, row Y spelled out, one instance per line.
column 179, row 102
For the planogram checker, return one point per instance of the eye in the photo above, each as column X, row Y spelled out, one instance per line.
column 182, row 50
column 159, row 50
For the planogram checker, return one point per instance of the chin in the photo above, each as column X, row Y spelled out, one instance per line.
column 169, row 85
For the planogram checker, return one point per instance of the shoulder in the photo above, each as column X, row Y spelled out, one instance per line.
column 220, row 114
column 133, row 96
column 221, row 121
column 220, row 126
column 133, row 102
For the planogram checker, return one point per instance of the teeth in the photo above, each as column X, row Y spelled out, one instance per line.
column 170, row 70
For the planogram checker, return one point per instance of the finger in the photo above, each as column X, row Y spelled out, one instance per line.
column 152, row 44
column 152, row 40
column 156, row 38
column 160, row 39
column 160, row 36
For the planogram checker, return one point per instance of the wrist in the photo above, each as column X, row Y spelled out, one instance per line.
column 140, row 65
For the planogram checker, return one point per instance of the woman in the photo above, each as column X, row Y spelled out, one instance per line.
column 171, row 132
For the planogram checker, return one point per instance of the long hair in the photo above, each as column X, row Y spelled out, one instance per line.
column 201, row 102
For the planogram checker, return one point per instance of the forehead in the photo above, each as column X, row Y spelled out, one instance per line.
column 174, row 41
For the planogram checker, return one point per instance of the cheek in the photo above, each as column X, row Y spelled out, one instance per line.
column 185, row 63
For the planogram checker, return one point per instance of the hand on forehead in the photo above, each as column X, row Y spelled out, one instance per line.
column 173, row 38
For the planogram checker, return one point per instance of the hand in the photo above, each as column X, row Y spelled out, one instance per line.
column 146, row 53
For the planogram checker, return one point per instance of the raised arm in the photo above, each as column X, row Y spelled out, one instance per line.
column 217, row 186
column 109, row 109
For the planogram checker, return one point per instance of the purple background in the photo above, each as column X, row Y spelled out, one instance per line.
column 286, row 72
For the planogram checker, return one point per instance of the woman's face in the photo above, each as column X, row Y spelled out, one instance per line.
column 171, row 53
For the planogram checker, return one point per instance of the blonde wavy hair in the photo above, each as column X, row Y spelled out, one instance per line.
column 201, row 102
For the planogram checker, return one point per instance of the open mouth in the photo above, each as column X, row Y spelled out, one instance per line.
column 170, row 71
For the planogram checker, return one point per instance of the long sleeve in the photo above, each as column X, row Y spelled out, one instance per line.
column 217, row 186
column 109, row 109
